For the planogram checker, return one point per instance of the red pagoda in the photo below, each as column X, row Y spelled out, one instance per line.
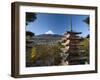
column 72, row 51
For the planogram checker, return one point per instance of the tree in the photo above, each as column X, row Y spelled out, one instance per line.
column 88, row 36
column 30, row 17
column 85, row 46
column 47, row 54
column 29, row 33
column 87, row 20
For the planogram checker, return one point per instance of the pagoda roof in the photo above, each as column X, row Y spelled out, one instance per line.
column 74, row 45
column 73, row 32
column 77, row 58
column 74, row 38
column 76, row 51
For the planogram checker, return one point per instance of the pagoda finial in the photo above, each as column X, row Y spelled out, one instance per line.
column 71, row 24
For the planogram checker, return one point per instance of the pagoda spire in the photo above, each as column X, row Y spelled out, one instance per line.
column 71, row 24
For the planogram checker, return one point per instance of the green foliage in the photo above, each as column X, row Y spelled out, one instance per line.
column 45, row 52
column 51, row 51
column 30, row 17
column 85, row 46
column 87, row 20
column 31, row 55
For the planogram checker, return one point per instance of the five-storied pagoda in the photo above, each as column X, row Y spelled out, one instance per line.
column 72, row 51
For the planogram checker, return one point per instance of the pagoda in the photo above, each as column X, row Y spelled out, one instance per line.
column 72, row 51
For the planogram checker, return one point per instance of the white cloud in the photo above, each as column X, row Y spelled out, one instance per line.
column 49, row 32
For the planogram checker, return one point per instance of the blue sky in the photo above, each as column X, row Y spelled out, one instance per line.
column 58, row 24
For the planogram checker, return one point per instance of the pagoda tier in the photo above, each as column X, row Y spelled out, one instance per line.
column 73, row 45
column 71, row 37
column 77, row 60
column 71, row 32
column 76, row 51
